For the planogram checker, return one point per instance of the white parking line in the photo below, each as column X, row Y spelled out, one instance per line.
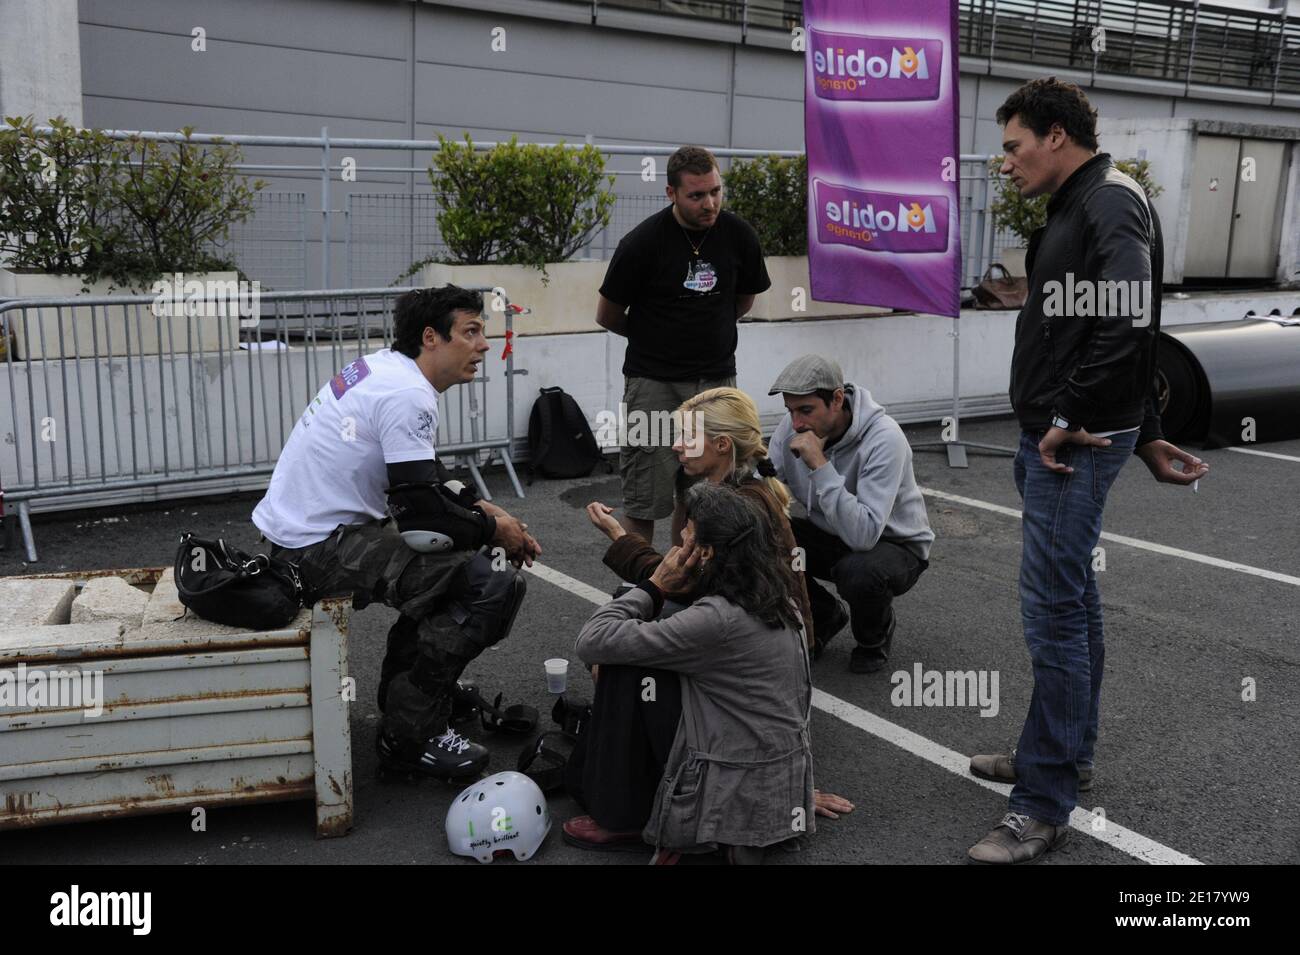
column 1265, row 454
column 572, row 585
column 1130, row 541
column 1113, row 834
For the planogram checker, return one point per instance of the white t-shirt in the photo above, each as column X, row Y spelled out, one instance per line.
column 378, row 410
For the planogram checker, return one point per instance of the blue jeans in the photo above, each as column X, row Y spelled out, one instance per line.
column 1061, row 609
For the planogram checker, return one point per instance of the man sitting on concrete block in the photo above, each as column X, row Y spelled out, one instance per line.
column 360, row 503
column 866, row 529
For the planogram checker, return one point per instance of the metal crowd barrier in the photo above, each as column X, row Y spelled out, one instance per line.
column 112, row 400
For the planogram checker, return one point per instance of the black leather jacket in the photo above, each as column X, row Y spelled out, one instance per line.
column 1089, row 361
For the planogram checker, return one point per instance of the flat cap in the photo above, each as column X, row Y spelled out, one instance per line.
column 806, row 374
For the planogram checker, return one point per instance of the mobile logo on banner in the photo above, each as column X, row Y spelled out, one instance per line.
column 871, row 68
column 880, row 221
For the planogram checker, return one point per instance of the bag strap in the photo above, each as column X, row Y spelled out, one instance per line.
column 238, row 563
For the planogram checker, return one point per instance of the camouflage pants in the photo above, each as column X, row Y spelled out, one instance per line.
column 428, row 647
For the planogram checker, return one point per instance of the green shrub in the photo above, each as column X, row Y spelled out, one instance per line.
column 55, row 196
column 125, row 210
column 1021, row 216
column 771, row 194
column 517, row 204
column 179, row 199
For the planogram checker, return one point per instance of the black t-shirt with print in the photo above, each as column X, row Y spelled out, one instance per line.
column 682, row 319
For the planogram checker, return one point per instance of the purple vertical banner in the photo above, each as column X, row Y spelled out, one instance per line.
column 881, row 132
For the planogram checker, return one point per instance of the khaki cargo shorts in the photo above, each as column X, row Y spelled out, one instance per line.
column 650, row 469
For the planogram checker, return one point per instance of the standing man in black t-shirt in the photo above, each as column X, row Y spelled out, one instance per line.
column 675, row 288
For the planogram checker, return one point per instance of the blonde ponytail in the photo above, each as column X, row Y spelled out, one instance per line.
column 731, row 412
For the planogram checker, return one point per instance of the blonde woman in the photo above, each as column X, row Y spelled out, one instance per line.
column 720, row 441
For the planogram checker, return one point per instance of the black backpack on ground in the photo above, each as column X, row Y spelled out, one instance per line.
column 560, row 442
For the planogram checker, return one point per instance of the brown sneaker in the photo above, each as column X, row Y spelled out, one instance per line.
column 1002, row 769
column 586, row 833
column 1016, row 840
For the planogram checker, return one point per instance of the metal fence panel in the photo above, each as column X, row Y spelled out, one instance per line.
column 106, row 396
column 387, row 233
column 271, row 245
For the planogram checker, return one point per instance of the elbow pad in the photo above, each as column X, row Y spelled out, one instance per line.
column 431, row 519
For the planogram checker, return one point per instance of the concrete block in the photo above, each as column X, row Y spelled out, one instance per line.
column 66, row 640
column 192, row 631
column 164, row 603
column 167, row 619
column 110, row 598
column 31, row 602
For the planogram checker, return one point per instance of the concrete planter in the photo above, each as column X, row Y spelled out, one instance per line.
column 788, row 273
column 110, row 331
column 566, row 304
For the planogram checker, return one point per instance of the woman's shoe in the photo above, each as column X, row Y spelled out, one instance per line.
column 586, row 833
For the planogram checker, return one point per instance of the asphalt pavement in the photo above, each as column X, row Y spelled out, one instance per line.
column 1201, row 592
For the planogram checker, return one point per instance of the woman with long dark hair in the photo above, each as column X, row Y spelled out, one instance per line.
column 716, row 752
column 719, row 440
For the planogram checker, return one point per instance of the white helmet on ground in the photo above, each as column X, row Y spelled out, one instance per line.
column 504, row 813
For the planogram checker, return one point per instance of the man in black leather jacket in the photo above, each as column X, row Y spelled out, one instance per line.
column 1082, row 386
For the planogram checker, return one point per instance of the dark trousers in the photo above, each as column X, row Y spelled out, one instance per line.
column 867, row 580
column 615, row 769
column 428, row 647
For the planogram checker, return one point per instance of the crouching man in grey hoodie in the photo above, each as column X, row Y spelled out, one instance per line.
column 850, row 466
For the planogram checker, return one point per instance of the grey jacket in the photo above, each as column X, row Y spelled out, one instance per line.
column 740, row 768
column 866, row 490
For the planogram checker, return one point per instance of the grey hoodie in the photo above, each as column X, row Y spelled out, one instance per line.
column 866, row 490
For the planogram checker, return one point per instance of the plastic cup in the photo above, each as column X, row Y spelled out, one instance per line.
column 557, row 674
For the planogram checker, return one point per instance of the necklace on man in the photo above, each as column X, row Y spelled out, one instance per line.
column 696, row 248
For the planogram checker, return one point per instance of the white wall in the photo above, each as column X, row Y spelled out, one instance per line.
column 905, row 361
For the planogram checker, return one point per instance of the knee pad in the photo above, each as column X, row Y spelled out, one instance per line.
column 487, row 601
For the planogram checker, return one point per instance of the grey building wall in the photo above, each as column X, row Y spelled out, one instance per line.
column 391, row 68
column 40, row 64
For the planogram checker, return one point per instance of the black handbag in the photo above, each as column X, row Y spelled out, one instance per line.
column 223, row 584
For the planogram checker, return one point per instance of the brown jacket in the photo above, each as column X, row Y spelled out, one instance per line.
column 634, row 560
